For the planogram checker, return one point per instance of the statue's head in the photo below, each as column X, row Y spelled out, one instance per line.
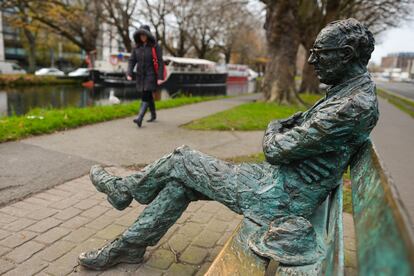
column 341, row 47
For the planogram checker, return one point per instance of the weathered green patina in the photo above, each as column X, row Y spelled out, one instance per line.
column 236, row 258
column 306, row 156
column 383, row 231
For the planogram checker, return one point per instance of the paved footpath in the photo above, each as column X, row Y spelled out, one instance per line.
column 34, row 164
column 393, row 138
column 44, row 233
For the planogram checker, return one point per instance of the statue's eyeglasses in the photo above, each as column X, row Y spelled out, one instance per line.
column 316, row 51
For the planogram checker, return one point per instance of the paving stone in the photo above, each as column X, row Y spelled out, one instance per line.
column 194, row 255
column 65, row 203
column 224, row 237
column 161, row 259
column 69, row 262
column 184, row 217
column 5, row 266
column 75, row 222
column 48, row 197
column 42, row 213
column 203, row 269
column 225, row 215
column 94, row 212
column 19, row 224
column 194, row 206
column 216, row 225
column 213, row 253
column 18, row 239
column 207, row 239
column 180, row 270
column 44, row 225
column 37, row 201
column 4, row 234
column 56, row 250
column 25, row 205
column 6, row 218
column 110, row 232
column 201, row 217
column 64, row 265
column 79, row 235
column 212, row 207
column 191, row 229
column 14, row 212
column 148, row 271
column 24, row 251
column 114, row 213
column 4, row 250
column 29, row 267
column 67, row 213
column 52, row 235
column 100, row 223
column 59, row 192
column 178, row 242
column 128, row 218
column 83, row 195
column 86, row 204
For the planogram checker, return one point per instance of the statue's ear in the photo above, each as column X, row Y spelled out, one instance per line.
column 348, row 54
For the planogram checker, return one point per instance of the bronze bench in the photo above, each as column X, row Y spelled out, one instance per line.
column 384, row 240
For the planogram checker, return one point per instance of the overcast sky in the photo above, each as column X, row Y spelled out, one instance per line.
column 394, row 40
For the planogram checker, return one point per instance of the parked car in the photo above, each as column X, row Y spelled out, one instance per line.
column 49, row 72
column 10, row 68
column 80, row 72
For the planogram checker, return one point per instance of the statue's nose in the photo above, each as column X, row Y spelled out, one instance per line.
column 312, row 58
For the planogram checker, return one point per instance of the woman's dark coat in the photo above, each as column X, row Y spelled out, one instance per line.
column 141, row 56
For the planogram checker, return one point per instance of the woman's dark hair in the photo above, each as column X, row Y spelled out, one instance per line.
column 354, row 33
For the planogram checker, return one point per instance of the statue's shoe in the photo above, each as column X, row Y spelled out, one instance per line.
column 117, row 193
column 111, row 254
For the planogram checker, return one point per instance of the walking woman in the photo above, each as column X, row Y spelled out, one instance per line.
column 147, row 55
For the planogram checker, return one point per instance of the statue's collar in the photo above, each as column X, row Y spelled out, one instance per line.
column 339, row 88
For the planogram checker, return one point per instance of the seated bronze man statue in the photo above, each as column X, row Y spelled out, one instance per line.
column 306, row 156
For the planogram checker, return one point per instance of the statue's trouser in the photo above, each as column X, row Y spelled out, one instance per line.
column 169, row 185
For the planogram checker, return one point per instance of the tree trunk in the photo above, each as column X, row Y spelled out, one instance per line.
column 310, row 82
column 31, row 53
column 283, row 42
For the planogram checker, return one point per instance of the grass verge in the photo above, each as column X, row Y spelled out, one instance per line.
column 401, row 103
column 42, row 121
column 29, row 80
column 250, row 116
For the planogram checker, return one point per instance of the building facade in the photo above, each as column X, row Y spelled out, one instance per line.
column 403, row 61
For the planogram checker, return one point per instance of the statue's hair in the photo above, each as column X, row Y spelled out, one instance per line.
column 354, row 33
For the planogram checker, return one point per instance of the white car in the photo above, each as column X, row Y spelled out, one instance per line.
column 49, row 72
column 10, row 68
column 80, row 72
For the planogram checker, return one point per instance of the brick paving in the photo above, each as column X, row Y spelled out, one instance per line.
column 44, row 234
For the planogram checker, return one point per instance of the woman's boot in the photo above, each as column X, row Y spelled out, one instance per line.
column 153, row 112
column 140, row 117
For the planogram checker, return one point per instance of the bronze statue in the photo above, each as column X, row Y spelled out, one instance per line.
column 306, row 156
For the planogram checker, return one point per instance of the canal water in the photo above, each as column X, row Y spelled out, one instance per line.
column 18, row 101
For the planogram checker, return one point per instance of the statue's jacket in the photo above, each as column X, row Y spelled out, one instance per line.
column 308, row 153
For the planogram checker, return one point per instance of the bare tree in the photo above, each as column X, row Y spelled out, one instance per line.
column 119, row 13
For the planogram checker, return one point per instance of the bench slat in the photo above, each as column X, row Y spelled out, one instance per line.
column 383, row 232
